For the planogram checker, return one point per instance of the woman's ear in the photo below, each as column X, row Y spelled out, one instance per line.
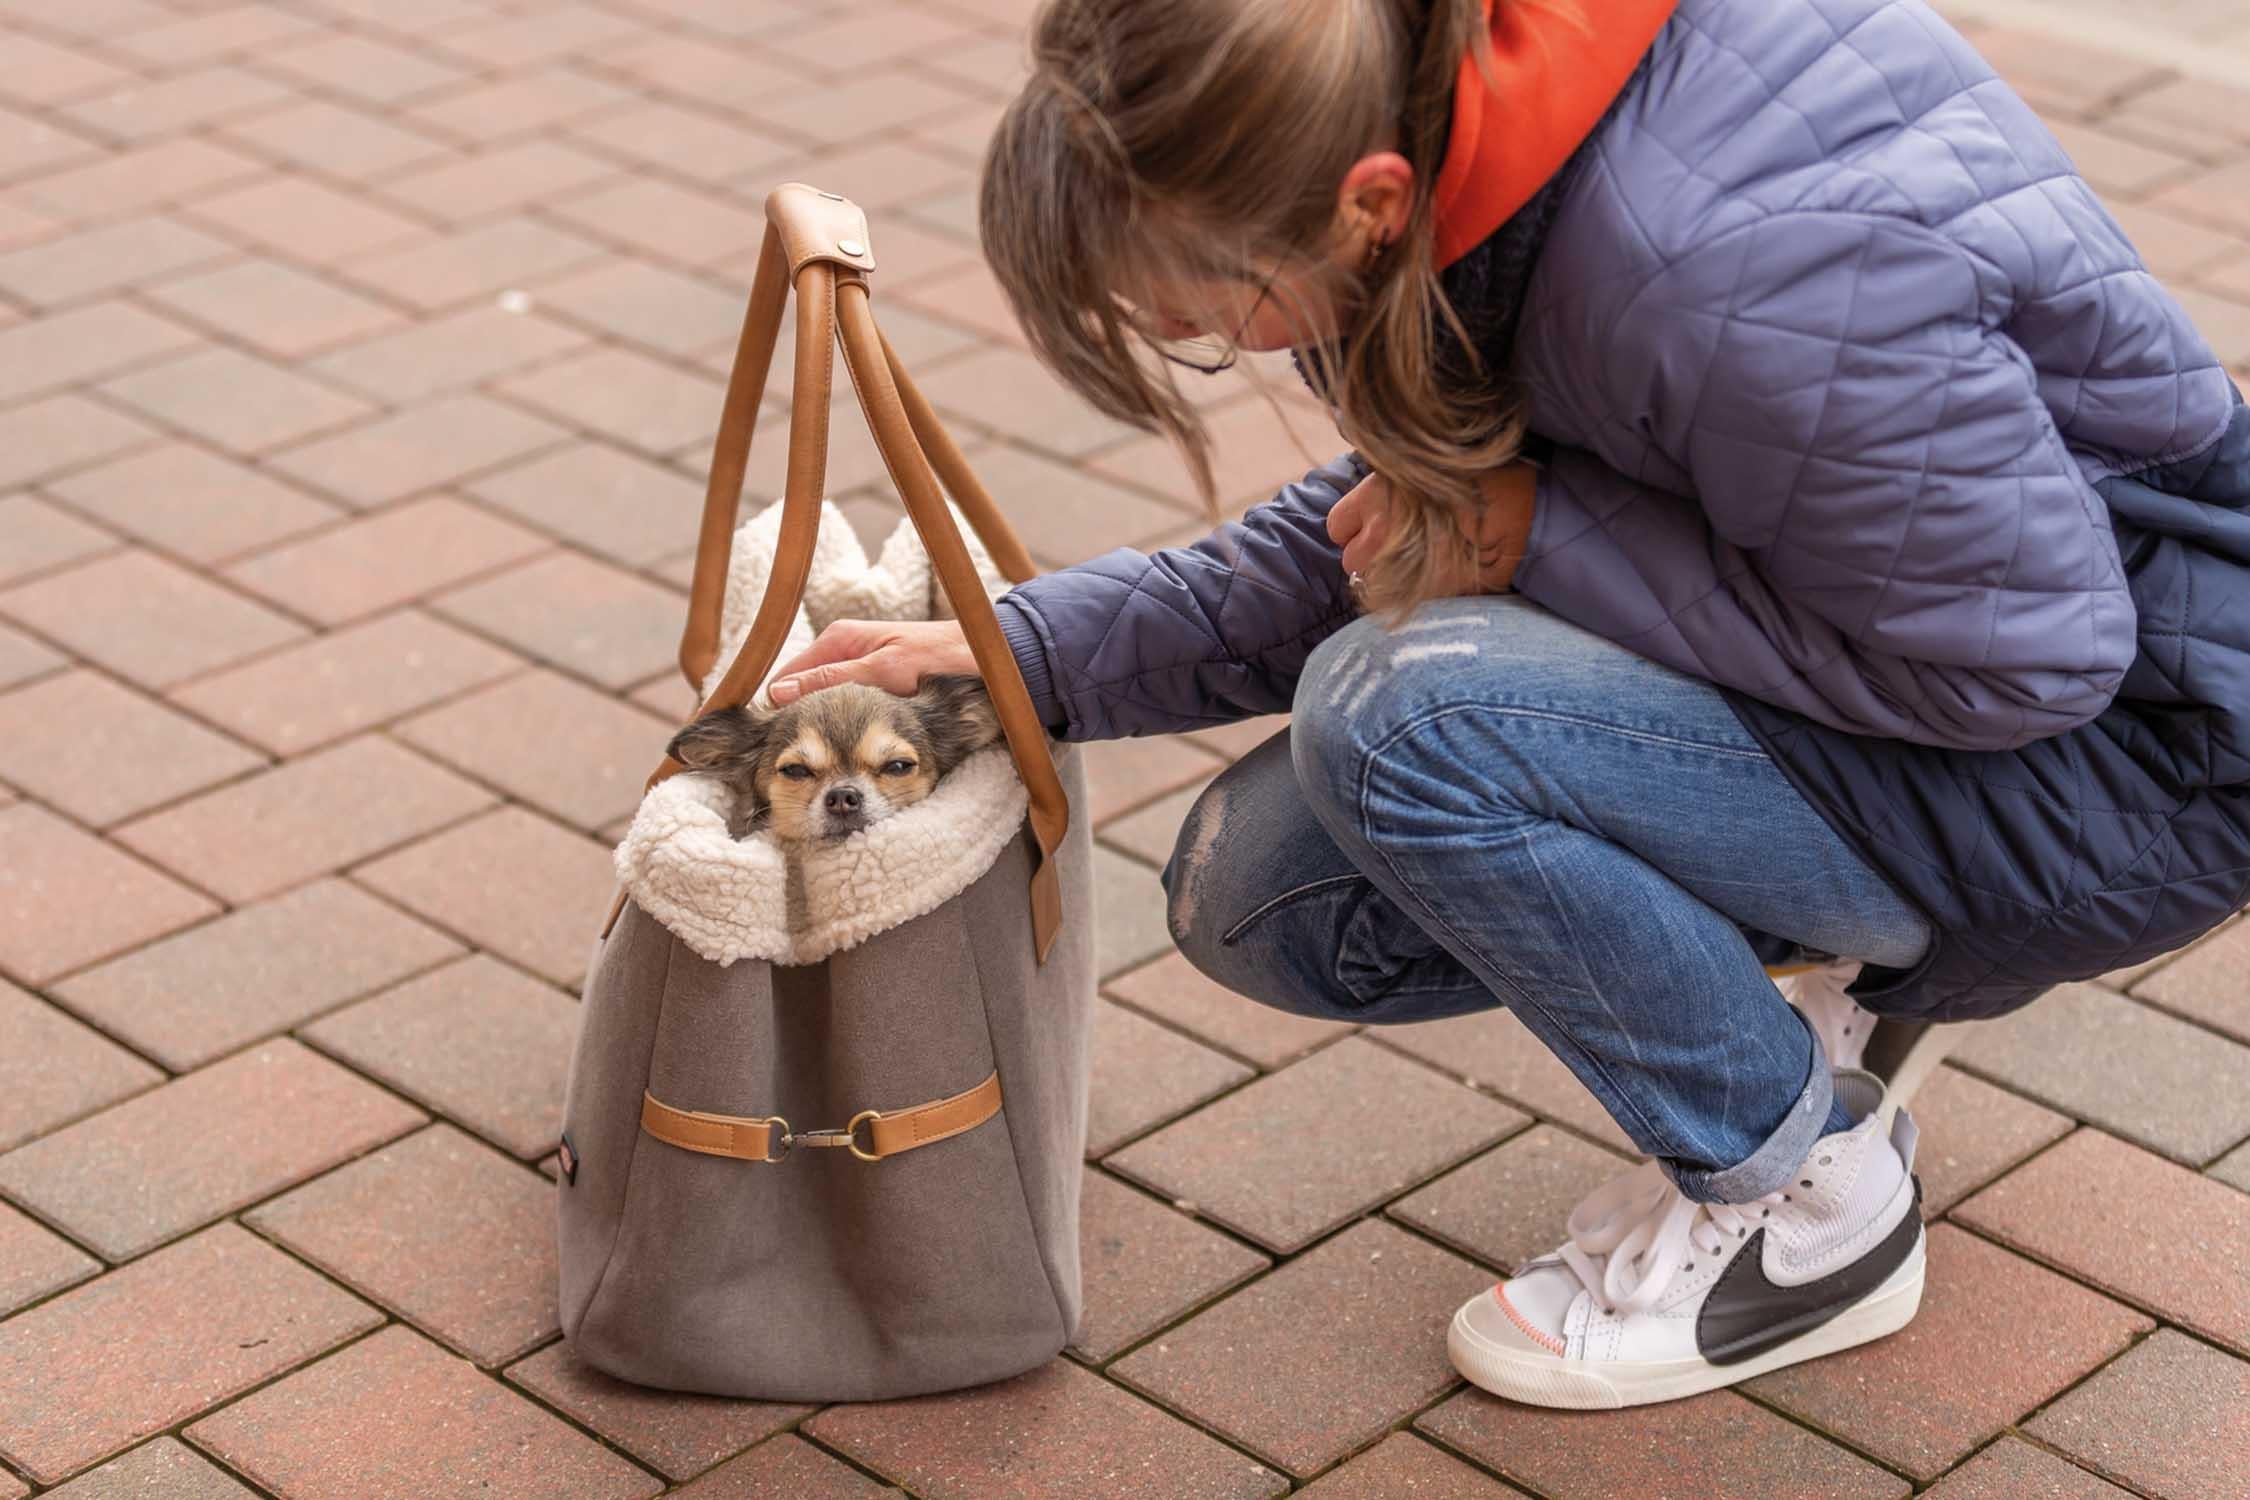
column 730, row 739
column 1376, row 198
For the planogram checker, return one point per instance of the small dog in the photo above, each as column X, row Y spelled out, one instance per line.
column 840, row 759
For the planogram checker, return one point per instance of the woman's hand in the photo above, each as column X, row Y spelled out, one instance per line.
column 890, row 654
column 1361, row 520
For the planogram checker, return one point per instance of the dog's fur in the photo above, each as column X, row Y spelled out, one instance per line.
column 840, row 759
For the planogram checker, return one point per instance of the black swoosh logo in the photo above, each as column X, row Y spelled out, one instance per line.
column 1746, row 1314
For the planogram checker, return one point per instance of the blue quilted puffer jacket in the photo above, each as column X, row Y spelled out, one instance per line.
column 1854, row 400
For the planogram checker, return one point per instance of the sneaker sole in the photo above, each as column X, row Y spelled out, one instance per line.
column 1580, row 1385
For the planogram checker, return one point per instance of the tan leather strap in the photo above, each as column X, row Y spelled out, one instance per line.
column 887, row 1133
column 730, row 458
column 800, row 220
column 807, row 238
column 872, row 371
column 806, row 478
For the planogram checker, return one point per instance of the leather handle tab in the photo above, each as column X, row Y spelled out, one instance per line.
column 819, row 226
column 753, row 1137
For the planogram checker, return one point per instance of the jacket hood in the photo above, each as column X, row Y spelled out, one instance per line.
column 1553, row 78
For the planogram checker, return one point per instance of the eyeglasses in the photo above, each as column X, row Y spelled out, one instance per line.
column 1230, row 346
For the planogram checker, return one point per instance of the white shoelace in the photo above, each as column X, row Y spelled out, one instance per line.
column 1630, row 1237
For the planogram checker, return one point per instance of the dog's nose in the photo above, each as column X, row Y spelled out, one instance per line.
column 842, row 799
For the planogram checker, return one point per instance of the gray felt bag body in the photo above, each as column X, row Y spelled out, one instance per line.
column 927, row 1021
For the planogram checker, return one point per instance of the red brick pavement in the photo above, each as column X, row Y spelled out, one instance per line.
column 357, row 364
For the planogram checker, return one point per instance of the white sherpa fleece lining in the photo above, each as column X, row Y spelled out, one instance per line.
column 758, row 897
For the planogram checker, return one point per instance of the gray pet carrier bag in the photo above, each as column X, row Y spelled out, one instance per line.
column 916, row 1001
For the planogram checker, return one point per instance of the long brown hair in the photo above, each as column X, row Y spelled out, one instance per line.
column 1202, row 140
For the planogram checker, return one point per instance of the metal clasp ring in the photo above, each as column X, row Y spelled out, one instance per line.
column 851, row 1134
column 848, row 1136
column 783, row 1136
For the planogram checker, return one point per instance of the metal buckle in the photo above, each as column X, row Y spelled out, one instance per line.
column 848, row 1137
column 782, row 1135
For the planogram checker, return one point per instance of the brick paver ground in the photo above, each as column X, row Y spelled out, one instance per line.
column 358, row 361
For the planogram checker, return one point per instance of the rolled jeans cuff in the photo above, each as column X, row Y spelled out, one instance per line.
column 1776, row 1161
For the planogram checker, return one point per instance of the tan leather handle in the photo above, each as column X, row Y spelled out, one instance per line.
column 872, row 368
column 806, row 478
column 730, row 459
column 991, row 526
column 803, row 226
column 818, row 241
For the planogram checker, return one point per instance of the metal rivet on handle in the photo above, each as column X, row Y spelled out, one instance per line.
column 851, row 247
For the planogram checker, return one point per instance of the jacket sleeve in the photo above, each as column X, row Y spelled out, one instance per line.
column 1849, row 498
column 1133, row 643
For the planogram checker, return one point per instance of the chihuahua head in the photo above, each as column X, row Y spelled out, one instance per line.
column 840, row 759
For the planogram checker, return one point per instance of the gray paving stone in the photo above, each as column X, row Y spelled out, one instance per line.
column 2137, row 1072
column 2012, row 1468
column 1128, row 913
column 1310, row 1362
column 166, row 1469
column 1509, row 1205
column 1972, row 1131
column 35, row 1261
column 1145, row 1073
column 253, row 972
column 2171, row 1417
column 1288, row 1158
column 2209, row 983
column 1150, row 832
column 475, row 1040
column 55, row 1068
column 1145, row 1264
column 1493, row 1050
column 1174, row 990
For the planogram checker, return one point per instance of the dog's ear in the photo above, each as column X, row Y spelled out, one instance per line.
column 957, row 714
column 730, row 739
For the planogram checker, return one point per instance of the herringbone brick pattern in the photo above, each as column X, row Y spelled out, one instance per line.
column 358, row 361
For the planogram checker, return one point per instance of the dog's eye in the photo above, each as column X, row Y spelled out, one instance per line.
column 898, row 768
column 797, row 771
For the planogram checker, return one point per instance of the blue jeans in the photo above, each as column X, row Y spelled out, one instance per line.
column 1494, row 807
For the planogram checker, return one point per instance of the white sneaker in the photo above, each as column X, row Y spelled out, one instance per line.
column 1902, row 1053
column 1655, row 1296
column 1838, row 1020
